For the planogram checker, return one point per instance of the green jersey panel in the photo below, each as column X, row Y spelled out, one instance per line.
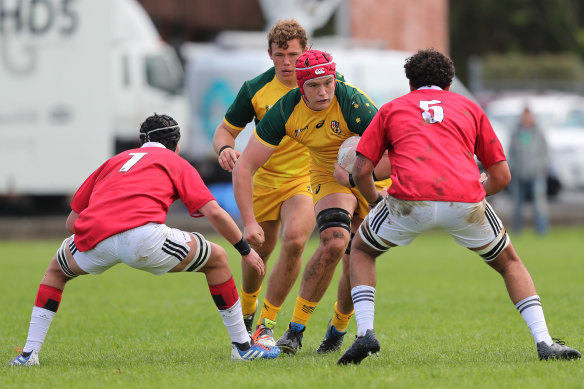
column 242, row 110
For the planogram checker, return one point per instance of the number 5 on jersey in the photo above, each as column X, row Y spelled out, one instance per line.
column 432, row 113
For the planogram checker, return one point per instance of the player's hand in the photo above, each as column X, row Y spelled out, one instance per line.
column 341, row 175
column 254, row 234
column 254, row 261
column 227, row 158
column 484, row 180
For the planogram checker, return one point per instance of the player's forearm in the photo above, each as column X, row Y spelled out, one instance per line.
column 366, row 186
column 221, row 221
column 70, row 224
column 383, row 168
column 499, row 177
column 223, row 137
column 226, row 227
column 364, row 180
column 243, row 192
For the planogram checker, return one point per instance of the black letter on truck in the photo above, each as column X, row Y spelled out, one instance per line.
column 45, row 9
column 71, row 15
column 15, row 13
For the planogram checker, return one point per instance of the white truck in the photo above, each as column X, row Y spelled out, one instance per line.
column 77, row 77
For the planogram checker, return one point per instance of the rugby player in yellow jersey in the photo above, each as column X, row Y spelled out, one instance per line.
column 320, row 114
column 282, row 196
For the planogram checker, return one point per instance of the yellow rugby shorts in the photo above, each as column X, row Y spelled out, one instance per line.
column 324, row 184
column 268, row 200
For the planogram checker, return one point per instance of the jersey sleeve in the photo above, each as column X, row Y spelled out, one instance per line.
column 488, row 148
column 191, row 189
column 272, row 128
column 373, row 140
column 241, row 110
column 81, row 198
column 358, row 110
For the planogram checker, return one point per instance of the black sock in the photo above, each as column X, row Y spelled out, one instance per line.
column 242, row 346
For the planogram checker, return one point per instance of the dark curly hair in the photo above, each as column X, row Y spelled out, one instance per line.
column 162, row 129
column 429, row 67
column 285, row 30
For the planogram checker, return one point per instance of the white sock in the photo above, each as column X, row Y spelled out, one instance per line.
column 40, row 320
column 364, row 303
column 532, row 312
column 233, row 320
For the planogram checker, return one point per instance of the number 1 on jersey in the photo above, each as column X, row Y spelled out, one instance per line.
column 134, row 160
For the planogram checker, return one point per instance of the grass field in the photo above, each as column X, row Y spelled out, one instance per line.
column 442, row 316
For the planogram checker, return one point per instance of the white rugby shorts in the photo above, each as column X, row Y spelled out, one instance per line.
column 472, row 225
column 155, row 248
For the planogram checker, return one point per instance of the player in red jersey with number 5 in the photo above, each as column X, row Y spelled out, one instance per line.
column 432, row 136
column 118, row 216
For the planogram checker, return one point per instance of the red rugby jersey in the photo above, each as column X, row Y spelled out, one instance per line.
column 432, row 137
column 132, row 189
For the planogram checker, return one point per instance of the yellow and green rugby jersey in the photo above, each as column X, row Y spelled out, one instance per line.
column 322, row 132
column 255, row 98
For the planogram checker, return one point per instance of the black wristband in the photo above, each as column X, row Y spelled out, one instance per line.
column 373, row 175
column 242, row 246
column 351, row 182
column 223, row 148
column 374, row 203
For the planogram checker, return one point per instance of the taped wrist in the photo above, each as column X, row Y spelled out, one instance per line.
column 374, row 203
column 351, row 181
column 242, row 246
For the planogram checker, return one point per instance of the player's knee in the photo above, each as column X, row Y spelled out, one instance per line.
column 60, row 266
column 334, row 242
column 368, row 241
column 507, row 261
column 293, row 246
column 333, row 218
column 217, row 259
column 56, row 274
column 219, row 254
column 201, row 252
column 495, row 248
column 335, row 229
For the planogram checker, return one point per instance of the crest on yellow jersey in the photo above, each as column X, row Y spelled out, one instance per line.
column 335, row 126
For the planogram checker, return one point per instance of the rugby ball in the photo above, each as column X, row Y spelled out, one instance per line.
column 346, row 156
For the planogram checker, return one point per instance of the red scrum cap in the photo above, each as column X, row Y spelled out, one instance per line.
column 313, row 64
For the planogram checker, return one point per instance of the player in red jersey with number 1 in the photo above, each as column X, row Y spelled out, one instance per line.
column 118, row 216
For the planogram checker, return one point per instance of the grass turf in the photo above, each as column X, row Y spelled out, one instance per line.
column 443, row 318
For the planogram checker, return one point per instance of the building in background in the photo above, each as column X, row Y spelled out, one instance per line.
column 398, row 24
column 388, row 24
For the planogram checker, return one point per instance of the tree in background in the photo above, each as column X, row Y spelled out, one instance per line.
column 531, row 27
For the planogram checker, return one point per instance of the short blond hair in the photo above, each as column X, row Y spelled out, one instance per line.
column 285, row 30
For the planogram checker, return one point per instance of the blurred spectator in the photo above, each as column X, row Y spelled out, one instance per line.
column 529, row 160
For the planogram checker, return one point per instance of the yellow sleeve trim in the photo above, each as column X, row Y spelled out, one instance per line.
column 232, row 126
column 263, row 141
